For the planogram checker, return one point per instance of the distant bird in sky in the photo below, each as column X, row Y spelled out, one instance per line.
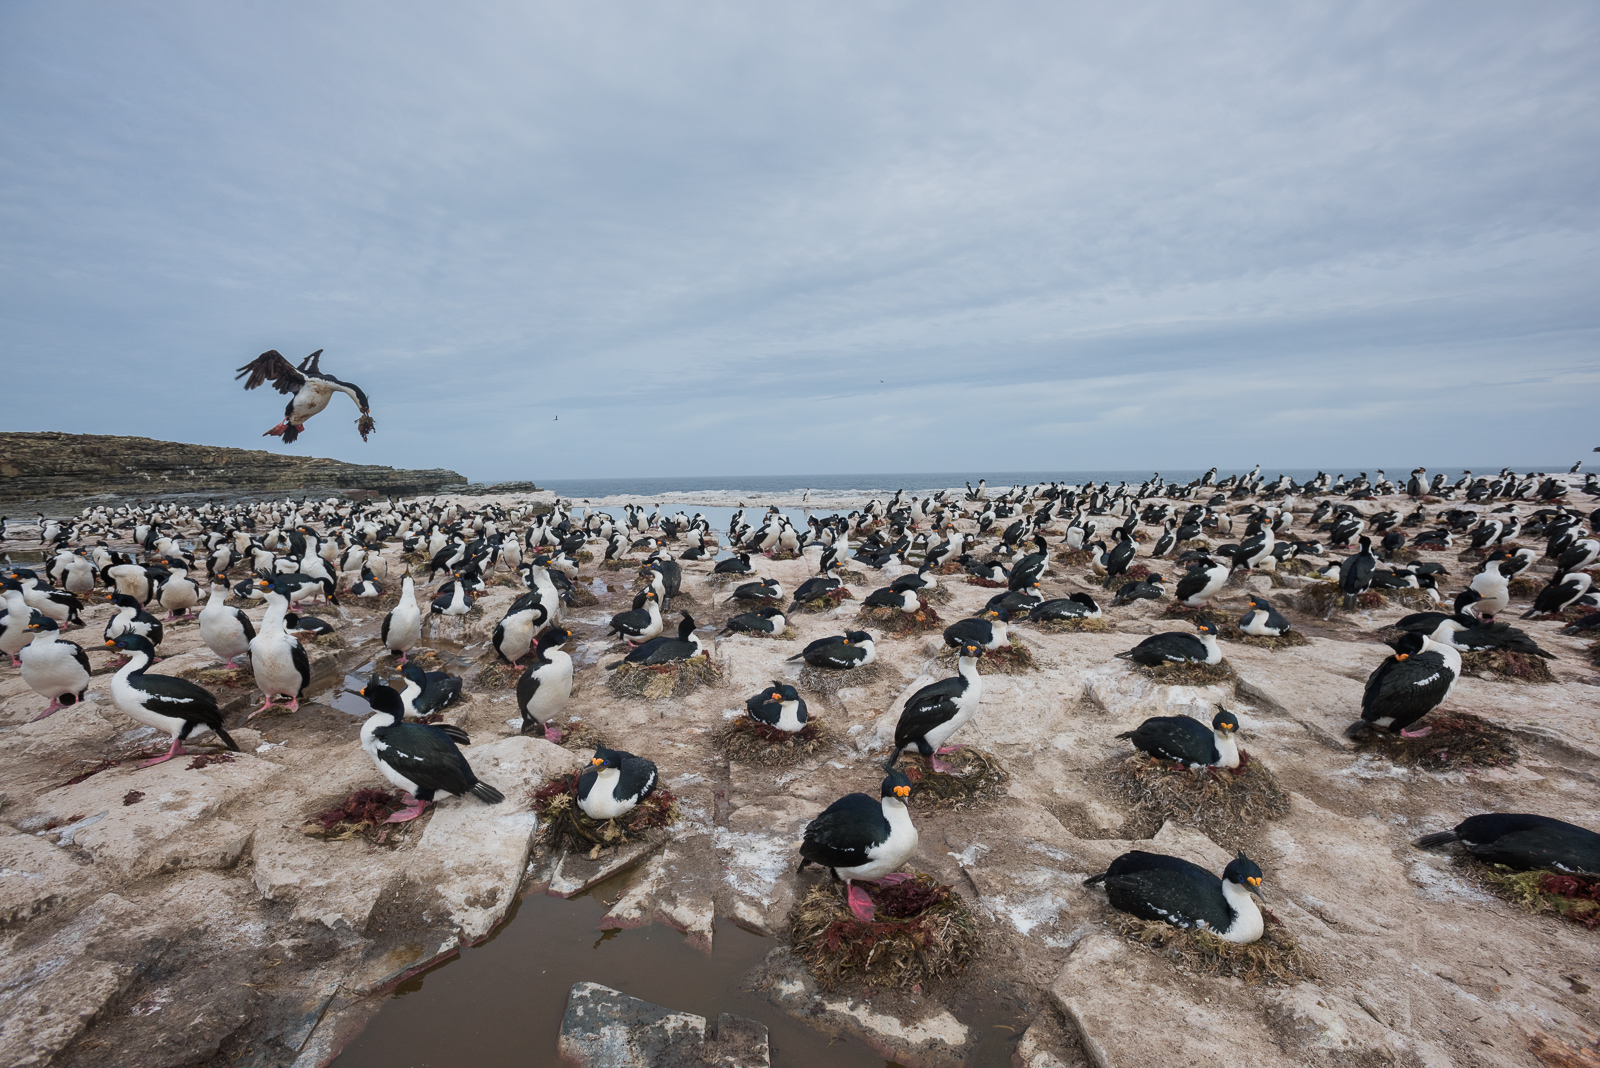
column 310, row 391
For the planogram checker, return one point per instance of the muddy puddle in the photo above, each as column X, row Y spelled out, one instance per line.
column 499, row 1005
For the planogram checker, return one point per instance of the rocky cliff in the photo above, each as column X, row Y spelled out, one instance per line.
column 53, row 466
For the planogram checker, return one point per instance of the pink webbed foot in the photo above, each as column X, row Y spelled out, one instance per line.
column 552, row 733
column 177, row 750
column 231, row 666
column 1420, row 732
column 413, row 809
column 266, row 705
column 54, row 707
column 277, row 431
column 294, row 704
column 894, row 878
column 939, row 766
column 15, row 662
column 951, row 749
column 861, row 906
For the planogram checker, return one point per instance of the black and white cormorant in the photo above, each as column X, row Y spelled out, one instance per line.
column 420, row 758
column 1408, row 685
column 779, row 706
column 767, row 619
column 1523, row 841
column 53, row 667
column 1355, row 573
column 987, row 629
column 307, row 387
column 1174, row 647
column 1073, row 606
column 427, row 692
column 842, row 652
column 767, row 590
column 1171, row 890
column 1187, row 741
column 665, row 650
column 402, row 626
column 225, row 630
column 938, row 710
column 1149, row 588
column 546, row 684
column 860, row 839
column 1262, row 620
column 1202, row 581
column 615, row 783
column 181, row 708
column 818, row 585
column 277, row 659
column 1561, row 593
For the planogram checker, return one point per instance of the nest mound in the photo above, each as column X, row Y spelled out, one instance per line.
column 1191, row 674
column 937, row 595
column 615, row 564
column 657, row 681
column 923, row 932
column 899, row 623
column 787, row 635
column 1013, row 659
column 1524, row 667
column 1457, row 740
column 582, row 556
column 499, row 674
column 1325, row 598
column 827, row 682
column 579, row 734
column 1572, row 897
column 949, row 567
column 234, row 678
column 582, row 596
column 556, row 803
column 1417, row 598
column 750, row 741
column 1298, row 565
column 1225, row 806
column 1179, row 610
column 322, row 641
column 1287, row 640
column 362, row 815
column 782, row 554
column 1136, row 573
column 1076, row 625
column 988, row 584
column 826, row 603
column 1192, row 543
column 1523, row 588
column 1406, row 554
column 1274, row 958
column 852, row 578
column 976, row 776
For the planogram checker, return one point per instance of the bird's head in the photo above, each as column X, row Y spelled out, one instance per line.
column 1408, row 645
column 1224, row 721
column 897, row 786
column 132, row 643
column 1242, row 871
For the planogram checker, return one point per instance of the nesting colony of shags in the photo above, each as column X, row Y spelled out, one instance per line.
column 1059, row 559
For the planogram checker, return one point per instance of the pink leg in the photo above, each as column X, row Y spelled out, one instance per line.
column 402, row 658
column 277, row 431
column 413, row 809
column 177, row 750
column 231, row 665
column 266, row 704
column 1420, row 732
column 552, row 733
column 939, row 766
column 895, row 878
column 55, row 706
column 294, row 704
column 951, row 748
column 15, row 662
column 861, row 906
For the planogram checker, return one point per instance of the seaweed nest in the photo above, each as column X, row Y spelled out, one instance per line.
column 322, row 641
column 578, row 734
column 1524, row 588
column 950, row 567
column 1572, row 897
column 1287, row 640
column 616, row 564
column 1076, row 625
column 1013, row 659
column 583, row 556
column 1179, row 610
column 1136, row 573
column 1414, row 597
column 658, row 681
column 1326, row 597
column 852, row 578
column 1457, row 740
column 899, row 623
column 499, row 674
column 827, row 682
column 1074, row 557
column 988, row 584
column 581, row 596
column 239, row 678
column 750, row 741
column 826, row 603
column 1524, row 667
column 974, row 776
column 1190, row 674
column 782, row 554
column 1192, row 543
column 1299, row 565
column 361, row 815
column 1274, row 958
column 556, row 804
column 1406, row 554
column 1227, row 806
column 923, row 932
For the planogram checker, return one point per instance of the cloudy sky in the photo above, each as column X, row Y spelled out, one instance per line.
column 730, row 238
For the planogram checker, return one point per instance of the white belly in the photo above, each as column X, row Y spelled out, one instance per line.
column 51, row 670
column 405, row 628
column 555, row 687
column 272, row 661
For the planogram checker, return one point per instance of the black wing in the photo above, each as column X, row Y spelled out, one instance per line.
column 302, row 663
column 179, row 698
column 1406, row 690
column 77, row 654
column 1169, row 896
column 426, row 756
column 841, row 834
column 249, row 628
column 270, row 366
column 927, row 708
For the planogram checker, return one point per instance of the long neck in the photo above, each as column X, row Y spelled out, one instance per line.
column 277, row 608
column 138, row 660
column 1213, row 652
column 1247, row 920
column 1227, row 748
column 968, row 666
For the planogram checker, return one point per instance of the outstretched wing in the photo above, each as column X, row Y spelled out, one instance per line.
column 270, row 366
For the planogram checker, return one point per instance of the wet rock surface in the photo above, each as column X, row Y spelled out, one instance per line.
column 605, row 1028
column 118, row 918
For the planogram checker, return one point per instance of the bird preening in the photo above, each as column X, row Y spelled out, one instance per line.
column 308, row 388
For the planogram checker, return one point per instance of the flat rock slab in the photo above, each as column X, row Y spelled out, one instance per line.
column 758, row 853
column 675, row 888
column 36, row 876
column 50, row 1015
column 934, row 1039
column 473, row 855
column 605, row 1028
column 570, row 874
column 1126, row 694
column 174, row 825
column 331, row 883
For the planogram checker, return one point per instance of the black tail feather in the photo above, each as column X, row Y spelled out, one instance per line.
column 1431, row 841
column 1096, row 879
column 227, row 739
column 487, row 794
